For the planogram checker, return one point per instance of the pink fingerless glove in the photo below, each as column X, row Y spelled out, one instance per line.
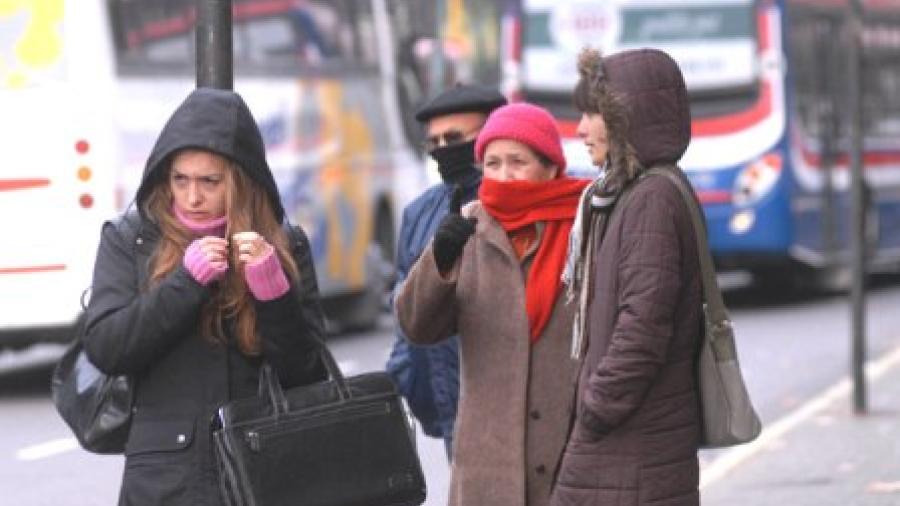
column 266, row 278
column 199, row 267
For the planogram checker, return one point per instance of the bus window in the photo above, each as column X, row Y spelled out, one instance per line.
column 714, row 43
column 881, row 81
column 304, row 36
column 152, row 37
column 269, row 36
column 817, row 66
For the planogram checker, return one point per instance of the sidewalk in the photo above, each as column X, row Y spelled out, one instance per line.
column 822, row 454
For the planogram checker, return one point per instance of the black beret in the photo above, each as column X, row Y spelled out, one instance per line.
column 461, row 98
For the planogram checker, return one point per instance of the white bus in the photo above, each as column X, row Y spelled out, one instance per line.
column 57, row 155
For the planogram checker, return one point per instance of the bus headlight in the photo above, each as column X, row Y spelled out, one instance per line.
column 742, row 221
column 757, row 180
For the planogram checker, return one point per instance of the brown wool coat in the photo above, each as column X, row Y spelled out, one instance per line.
column 516, row 398
column 635, row 437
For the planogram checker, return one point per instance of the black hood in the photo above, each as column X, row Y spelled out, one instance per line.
column 218, row 121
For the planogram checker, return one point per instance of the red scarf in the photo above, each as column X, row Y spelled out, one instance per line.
column 515, row 204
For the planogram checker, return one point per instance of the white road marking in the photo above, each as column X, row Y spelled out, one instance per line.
column 48, row 449
column 721, row 466
column 348, row 367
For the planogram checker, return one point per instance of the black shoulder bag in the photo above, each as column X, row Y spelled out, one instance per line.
column 97, row 407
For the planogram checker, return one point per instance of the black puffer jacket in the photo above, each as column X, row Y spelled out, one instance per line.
column 152, row 334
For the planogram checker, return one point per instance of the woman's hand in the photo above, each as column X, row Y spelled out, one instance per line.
column 251, row 247
column 207, row 259
column 215, row 250
column 452, row 234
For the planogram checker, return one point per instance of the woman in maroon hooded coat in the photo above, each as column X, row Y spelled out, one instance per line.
column 637, row 426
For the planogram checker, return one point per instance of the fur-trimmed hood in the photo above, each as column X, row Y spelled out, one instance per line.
column 641, row 92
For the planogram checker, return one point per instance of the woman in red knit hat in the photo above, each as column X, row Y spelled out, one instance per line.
column 492, row 274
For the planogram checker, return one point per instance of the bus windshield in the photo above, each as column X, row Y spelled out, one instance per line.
column 714, row 43
column 270, row 37
column 31, row 45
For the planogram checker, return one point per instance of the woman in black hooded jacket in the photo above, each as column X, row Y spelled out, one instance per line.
column 192, row 292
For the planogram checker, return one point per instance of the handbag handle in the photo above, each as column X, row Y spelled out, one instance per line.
column 334, row 371
column 270, row 386
column 716, row 314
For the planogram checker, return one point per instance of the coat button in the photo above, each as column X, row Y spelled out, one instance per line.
column 139, row 240
column 133, row 409
column 181, row 438
column 535, row 414
column 541, row 469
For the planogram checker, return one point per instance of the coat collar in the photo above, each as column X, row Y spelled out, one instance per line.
column 490, row 230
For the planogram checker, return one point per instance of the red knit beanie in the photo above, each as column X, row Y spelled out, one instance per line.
column 526, row 123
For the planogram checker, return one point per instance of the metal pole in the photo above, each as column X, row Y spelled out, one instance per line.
column 858, row 210
column 214, row 53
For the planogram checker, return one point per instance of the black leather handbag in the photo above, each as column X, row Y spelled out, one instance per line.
column 342, row 442
column 95, row 406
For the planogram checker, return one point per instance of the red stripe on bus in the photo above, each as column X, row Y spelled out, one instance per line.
column 251, row 10
column 567, row 127
column 714, row 196
column 883, row 158
column 711, row 126
column 22, row 184
column 32, row 269
column 762, row 23
column 738, row 121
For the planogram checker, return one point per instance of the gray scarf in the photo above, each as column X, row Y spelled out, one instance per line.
column 576, row 272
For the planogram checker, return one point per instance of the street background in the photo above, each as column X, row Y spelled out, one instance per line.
column 790, row 100
column 793, row 349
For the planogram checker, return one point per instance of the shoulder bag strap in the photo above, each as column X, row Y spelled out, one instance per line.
column 718, row 321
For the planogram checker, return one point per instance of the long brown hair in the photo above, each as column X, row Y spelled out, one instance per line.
column 247, row 208
column 593, row 96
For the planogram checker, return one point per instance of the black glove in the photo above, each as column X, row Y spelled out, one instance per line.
column 452, row 234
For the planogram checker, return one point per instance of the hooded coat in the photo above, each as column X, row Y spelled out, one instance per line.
column 637, row 426
column 152, row 333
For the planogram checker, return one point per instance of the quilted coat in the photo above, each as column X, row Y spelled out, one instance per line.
column 637, row 426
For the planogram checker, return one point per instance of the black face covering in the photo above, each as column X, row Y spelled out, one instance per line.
column 456, row 161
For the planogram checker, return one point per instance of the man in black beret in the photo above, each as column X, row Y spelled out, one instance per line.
column 428, row 377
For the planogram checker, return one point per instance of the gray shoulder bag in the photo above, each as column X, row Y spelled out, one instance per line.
column 728, row 415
